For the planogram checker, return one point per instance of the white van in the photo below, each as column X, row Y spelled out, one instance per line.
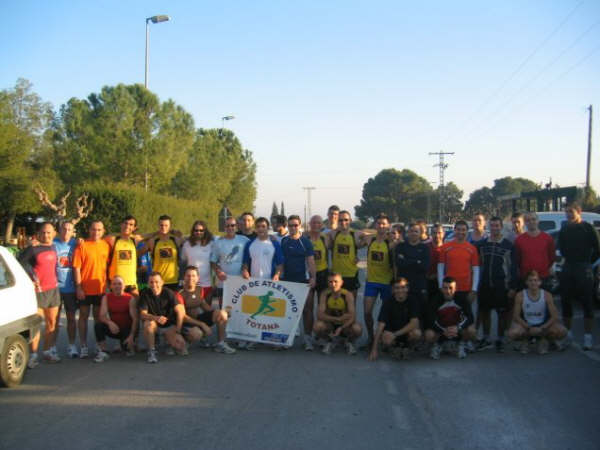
column 18, row 318
column 554, row 220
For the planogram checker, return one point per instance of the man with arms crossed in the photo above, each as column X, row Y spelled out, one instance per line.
column 398, row 323
column 199, row 315
column 337, row 316
column 65, row 245
column 535, row 316
column 379, row 270
column 579, row 244
column 39, row 262
column 298, row 260
column 161, row 313
column 227, row 256
column 90, row 263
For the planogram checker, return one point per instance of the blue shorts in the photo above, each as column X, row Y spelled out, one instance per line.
column 373, row 289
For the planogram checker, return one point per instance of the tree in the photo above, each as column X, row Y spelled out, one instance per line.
column 489, row 200
column 282, row 210
column 24, row 119
column 481, row 200
column 453, row 206
column 399, row 194
column 124, row 127
column 274, row 210
column 217, row 171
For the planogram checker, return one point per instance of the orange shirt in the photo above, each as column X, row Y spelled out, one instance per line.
column 459, row 258
column 91, row 257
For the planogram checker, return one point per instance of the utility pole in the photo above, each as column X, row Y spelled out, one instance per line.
column 589, row 153
column 308, row 208
column 443, row 166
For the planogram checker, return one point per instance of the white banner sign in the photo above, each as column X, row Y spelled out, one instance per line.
column 263, row 311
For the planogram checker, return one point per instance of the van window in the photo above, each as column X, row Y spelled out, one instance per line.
column 546, row 225
column 6, row 277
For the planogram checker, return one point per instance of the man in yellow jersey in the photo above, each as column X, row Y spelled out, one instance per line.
column 343, row 244
column 337, row 316
column 164, row 248
column 123, row 255
column 379, row 269
column 320, row 250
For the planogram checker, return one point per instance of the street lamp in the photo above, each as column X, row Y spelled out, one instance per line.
column 153, row 19
column 223, row 119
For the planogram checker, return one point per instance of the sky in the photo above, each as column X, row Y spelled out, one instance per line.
column 327, row 94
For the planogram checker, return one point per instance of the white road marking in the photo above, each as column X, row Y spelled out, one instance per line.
column 589, row 353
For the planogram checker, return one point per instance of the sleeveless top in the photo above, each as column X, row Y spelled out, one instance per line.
column 124, row 261
column 535, row 312
column 379, row 267
column 320, row 253
column 344, row 255
column 165, row 260
column 118, row 309
column 336, row 306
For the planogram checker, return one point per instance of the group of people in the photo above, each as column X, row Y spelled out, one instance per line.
column 427, row 286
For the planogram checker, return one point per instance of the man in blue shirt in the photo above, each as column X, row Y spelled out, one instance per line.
column 65, row 245
column 298, row 259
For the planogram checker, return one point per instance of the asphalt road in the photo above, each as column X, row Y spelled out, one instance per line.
column 297, row 400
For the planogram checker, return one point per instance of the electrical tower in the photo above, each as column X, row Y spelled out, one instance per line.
column 443, row 166
column 307, row 208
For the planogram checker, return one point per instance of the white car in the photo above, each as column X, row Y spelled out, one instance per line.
column 19, row 321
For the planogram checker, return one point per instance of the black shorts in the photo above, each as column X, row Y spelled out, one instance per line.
column 321, row 280
column 494, row 298
column 206, row 317
column 577, row 283
column 351, row 283
column 90, row 300
column 218, row 293
column 69, row 299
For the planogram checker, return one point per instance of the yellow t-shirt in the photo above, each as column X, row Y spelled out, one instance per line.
column 124, row 261
column 320, row 254
column 379, row 269
column 344, row 255
column 165, row 260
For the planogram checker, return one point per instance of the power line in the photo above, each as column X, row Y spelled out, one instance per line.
column 516, row 71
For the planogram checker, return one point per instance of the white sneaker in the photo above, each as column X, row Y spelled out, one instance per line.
column 542, row 346
column 72, row 352
column 152, row 359
column 51, row 357
column 308, row 343
column 170, row 351
column 470, row 347
column 588, row 342
column 222, row 347
column 328, row 348
column 33, row 361
column 84, row 352
column 436, row 350
column 101, row 356
column 250, row 346
column 461, row 353
column 350, row 349
column 184, row 352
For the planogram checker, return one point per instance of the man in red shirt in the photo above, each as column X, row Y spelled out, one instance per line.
column 460, row 260
column 534, row 250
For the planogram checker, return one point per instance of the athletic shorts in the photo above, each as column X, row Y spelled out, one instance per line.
column 205, row 317
column 160, row 330
column 218, row 292
column 577, row 283
column 48, row 299
column 375, row 289
column 321, row 280
column 399, row 339
column 90, row 300
column 69, row 299
column 494, row 298
column 351, row 283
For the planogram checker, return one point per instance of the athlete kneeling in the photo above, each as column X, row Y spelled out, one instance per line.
column 535, row 316
column 398, row 323
column 337, row 316
column 452, row 320
column 199, row 315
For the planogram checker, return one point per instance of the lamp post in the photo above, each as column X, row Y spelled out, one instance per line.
column 153, row 19
column 223, row 119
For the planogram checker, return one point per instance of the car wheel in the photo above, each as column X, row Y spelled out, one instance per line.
column 13, row 360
